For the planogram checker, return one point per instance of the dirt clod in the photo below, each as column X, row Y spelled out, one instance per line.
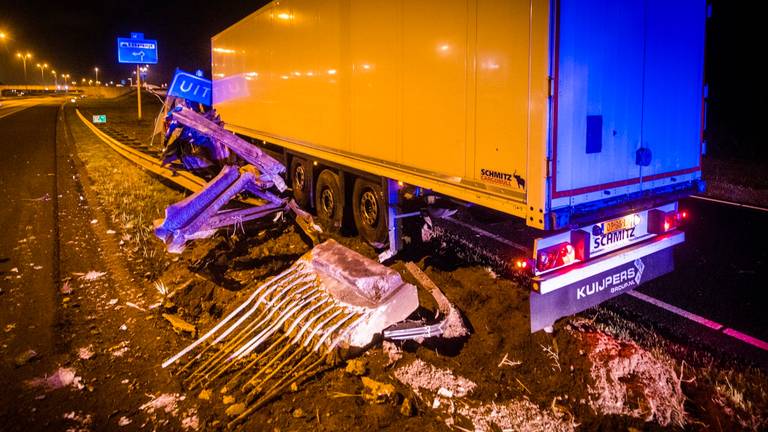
column 377, row 392
column 235, row 410
column 180, row 325
column 407, row 409
column 356, row 367
column 25, row 357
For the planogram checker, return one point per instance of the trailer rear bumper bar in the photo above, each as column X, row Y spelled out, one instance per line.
column 579, row 287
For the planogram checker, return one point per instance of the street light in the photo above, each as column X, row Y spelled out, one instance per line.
column 42, row 69
column 97, row 73
column 24, row 58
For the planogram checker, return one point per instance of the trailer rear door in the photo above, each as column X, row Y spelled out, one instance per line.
column 628, row 79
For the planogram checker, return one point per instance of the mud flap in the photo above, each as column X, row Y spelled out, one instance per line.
column 634, row 267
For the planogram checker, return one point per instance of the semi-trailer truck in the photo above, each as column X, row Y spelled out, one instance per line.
column 582, row 119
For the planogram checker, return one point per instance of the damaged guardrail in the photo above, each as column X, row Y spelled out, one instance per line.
column 201, row 214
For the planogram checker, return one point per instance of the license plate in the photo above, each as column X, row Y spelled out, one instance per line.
column 617, row 233
column 621, row 223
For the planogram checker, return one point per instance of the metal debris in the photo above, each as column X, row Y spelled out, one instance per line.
column 451, row 325
column 290, row 327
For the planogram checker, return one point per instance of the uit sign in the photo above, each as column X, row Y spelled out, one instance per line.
column 191, row 87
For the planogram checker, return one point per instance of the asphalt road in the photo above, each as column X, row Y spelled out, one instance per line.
column 28, row 231
column 722, row 268
column 721, row 274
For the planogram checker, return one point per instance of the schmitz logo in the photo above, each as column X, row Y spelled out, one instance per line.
column 502, row 178
column 618, row 281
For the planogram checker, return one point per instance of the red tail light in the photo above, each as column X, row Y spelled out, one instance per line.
column 555, row 256
column 660, row 222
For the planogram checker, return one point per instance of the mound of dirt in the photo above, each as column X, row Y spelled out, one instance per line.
column 629, row 380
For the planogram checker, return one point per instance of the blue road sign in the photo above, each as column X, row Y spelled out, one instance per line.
column 136, row 49
column 188, row 86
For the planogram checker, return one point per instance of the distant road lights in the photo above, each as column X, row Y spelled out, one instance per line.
column 97, row 73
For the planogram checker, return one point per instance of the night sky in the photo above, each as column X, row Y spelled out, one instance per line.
column 75, row 36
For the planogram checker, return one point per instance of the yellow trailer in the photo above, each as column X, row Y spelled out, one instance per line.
column 450, row 96
column 581, row 117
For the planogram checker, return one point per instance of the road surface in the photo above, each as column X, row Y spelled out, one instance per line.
column 721, row 272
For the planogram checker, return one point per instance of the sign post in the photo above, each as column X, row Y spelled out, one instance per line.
column 137, row 50
column 138, row 89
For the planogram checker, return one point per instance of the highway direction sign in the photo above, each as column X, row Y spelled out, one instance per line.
column 136, row 49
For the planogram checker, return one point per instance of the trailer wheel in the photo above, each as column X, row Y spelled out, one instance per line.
column 301, row 181
column 329, row 200
column 370, row 212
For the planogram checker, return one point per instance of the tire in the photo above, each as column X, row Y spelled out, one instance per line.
column 329, row 200
column 300, row 179
column 370, row 212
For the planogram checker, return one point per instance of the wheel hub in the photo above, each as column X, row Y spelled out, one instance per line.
column 298, row 178
column 327, row 201
column 369, row 208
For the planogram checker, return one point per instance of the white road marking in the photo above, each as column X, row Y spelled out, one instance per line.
column 676, row 310
column 12, row 111
column 746, row 338
column 701, row 320
column 735, row 204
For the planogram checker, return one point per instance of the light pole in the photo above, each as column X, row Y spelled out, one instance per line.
column 24, row 58
column 97, row 74
column 55, row 78
column 42, row 70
